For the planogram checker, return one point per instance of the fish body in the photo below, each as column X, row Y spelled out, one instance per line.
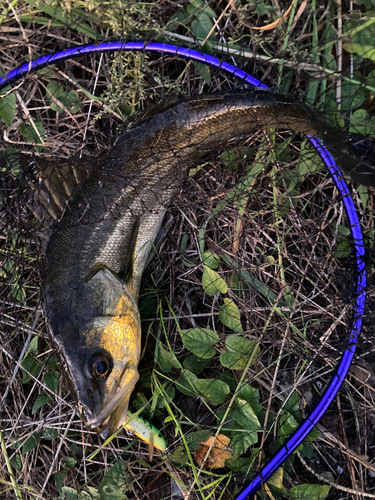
column 99, row 248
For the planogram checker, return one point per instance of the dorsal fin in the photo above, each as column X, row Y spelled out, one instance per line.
column 52, row 182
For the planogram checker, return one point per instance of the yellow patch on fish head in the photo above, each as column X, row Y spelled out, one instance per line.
column 121, row 340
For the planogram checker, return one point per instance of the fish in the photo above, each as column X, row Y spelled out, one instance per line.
column 100, row 244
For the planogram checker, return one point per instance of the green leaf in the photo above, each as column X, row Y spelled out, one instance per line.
column 12, row 162
column 229, row 315
column 16, row 462
column 238, row 352
column 200, row 341
column 241, row 440
column 308, row 162
column 314, row 434
column 195, row 365
column 343, row 250
column 245, row 415
column 244, row 466
column 7, row 106
column 202, row 26
column 30, row 134
column 30, row 443
column 287, row 427
column 179, row 456
column 361, row 123
column 292, row 405
column 33, row 346
column 251, row 396
column 365, row 51
column 59, row 478
column 211, row 260
column 351, row 97
column 69, row 99
column 32, row 366
column 236, row 285
column 203, row 70
column 69, row 493
column 186, row 383
column 212, row 282
column 194, row 439
column 70, row 462
column 116, row 482
column 213, row 389
column 276, row 479
column 167, row 394
column 202, row 7
column 51, row 379
column 40, row 401
column 166, row 359
column 309, row 492
column 50, row 434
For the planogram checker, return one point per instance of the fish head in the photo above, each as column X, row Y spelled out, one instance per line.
column 102, row 354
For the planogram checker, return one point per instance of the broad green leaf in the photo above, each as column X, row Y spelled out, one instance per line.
column 229, row 315
column 69, row 493
column 361, row 123
column 212, row 389
column 194, row 439
column 212, row 282
column 308, row 162
column 202, row 26
column 236, row 285
column 32, row 366
column 351, row 97
column 7, row 106
column 12, row 163
column 59, row 478
column 203, row 70
column 40, row 401
column 202, row 7
column 238, row 352
column 16, row 462
column 211, row 260
column 314, row 434
column 244, row 466
column 166, row 359
column 241, row 440
column 276, row 479
column 365, row 51
column 166, row 395
column 30, row 443
column 186, row 383
column 70, row 462
column 116, row 482
column 245, row 415
column 179, row 456
column 292, row 405
column 343, row 250
column 287, row 427
column 29, row 133
column 51, row 379
column 195, row 364
column 200, row 341
column 251, row 396
column 50, row 434
column 33, row 346
column 68, row 99
column 309, row 492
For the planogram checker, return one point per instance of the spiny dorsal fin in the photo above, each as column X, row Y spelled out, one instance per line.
column 53, row 182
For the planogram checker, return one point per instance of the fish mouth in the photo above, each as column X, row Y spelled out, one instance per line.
column 114, row 412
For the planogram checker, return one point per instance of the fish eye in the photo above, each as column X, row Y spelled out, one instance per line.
column 100, row 365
